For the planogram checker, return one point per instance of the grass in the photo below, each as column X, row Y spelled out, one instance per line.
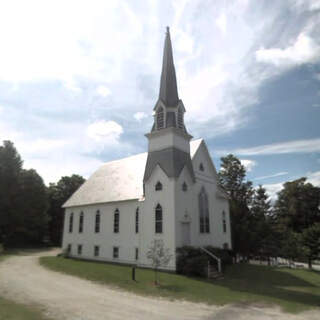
column 292, row 290
column 10, row 310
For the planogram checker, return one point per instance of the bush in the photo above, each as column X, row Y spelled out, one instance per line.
column 1, row 248
column 194, row 261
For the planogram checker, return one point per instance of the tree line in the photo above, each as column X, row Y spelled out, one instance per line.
column 31, row 213
column 289, row 228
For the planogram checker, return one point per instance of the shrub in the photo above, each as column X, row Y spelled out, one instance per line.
column 1, row 248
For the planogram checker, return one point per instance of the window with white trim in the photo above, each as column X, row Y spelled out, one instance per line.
column 137, row 220
column 97, row 222
column 71, row 222
column 116, row 221
column 204, row 212
column 158, row 218
column 115, row 252
column 81, row 222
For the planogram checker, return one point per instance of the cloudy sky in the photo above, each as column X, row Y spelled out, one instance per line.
column 79, row 80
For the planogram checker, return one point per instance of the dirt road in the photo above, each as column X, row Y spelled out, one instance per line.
column 65, row 297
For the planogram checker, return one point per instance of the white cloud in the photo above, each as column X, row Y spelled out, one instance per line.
column 221, row 22
column 314, row 178
column 248, row 164
column 103, row 91
column 297, row 146
column 140, row 115
column 108, row 132
column 273, row 189
column 272, row 176
column 303, row 50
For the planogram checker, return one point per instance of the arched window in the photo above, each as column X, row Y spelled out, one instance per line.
column 158, row 186
column 180, row 118
column 97, row 224
column 204, row 212
column 224, row 224
column 116, row 221
column 201, row 167
column 184, row 187
column 158, row 219
column 160, row 118
column 81, row 222
column 137, row 220
column 71, row 222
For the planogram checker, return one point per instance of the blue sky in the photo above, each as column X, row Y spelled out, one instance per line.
column 79, row 80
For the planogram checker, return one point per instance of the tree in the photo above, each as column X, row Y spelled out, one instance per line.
column 264, row 236
column 23, row 200
column 232, row 179
column 59, row 193
column 34, row 206
column 10, row 172
column 159, row 256
column 310, row 240
column 297, row 207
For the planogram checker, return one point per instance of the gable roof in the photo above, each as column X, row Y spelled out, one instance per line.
column 117, row 180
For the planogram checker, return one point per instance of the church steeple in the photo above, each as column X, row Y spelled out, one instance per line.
column 168, row 84
column 169, row 109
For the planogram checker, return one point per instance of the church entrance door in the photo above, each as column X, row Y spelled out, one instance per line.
column 185, row 233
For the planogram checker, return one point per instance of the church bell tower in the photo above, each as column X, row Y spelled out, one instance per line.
column 169, row 141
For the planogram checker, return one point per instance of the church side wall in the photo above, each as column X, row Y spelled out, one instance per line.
column 126, row 240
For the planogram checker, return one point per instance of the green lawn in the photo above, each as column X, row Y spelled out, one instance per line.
column 293, row 290
column 10, row 310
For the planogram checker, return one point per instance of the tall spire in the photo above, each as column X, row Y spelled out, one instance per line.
column 168, row 85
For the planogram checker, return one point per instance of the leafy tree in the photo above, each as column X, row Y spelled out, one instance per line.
column 310, row 240
column 34, row 200
column 159, row 256
column 59, row 193
column 10, row 172
column 232, row 179
column 291, row 245
column 297, row 207
column 23, row 200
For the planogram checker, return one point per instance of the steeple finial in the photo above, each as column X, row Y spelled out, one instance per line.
column 168, row 85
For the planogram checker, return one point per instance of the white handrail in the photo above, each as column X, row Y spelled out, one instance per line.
column 213, row 256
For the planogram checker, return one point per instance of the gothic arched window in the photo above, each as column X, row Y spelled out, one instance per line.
column 158, row 219
column 116, row 221
column 201, row 167
column 81, row 222
column 160, row 118
column 137, row 220
column 184, row 187
column 204, row 212
column 97, row 222
column 224, row 224
column 180, row 118
column 158, row 186
column 71, row 222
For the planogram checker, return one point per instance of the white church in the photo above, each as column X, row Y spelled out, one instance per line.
column 170, row 192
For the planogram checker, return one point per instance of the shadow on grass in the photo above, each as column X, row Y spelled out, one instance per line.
column 284, row 284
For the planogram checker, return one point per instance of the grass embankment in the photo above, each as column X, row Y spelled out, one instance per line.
column 10, row 310
column 293, row 290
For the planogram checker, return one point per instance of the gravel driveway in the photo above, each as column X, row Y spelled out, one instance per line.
column 67, row 297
